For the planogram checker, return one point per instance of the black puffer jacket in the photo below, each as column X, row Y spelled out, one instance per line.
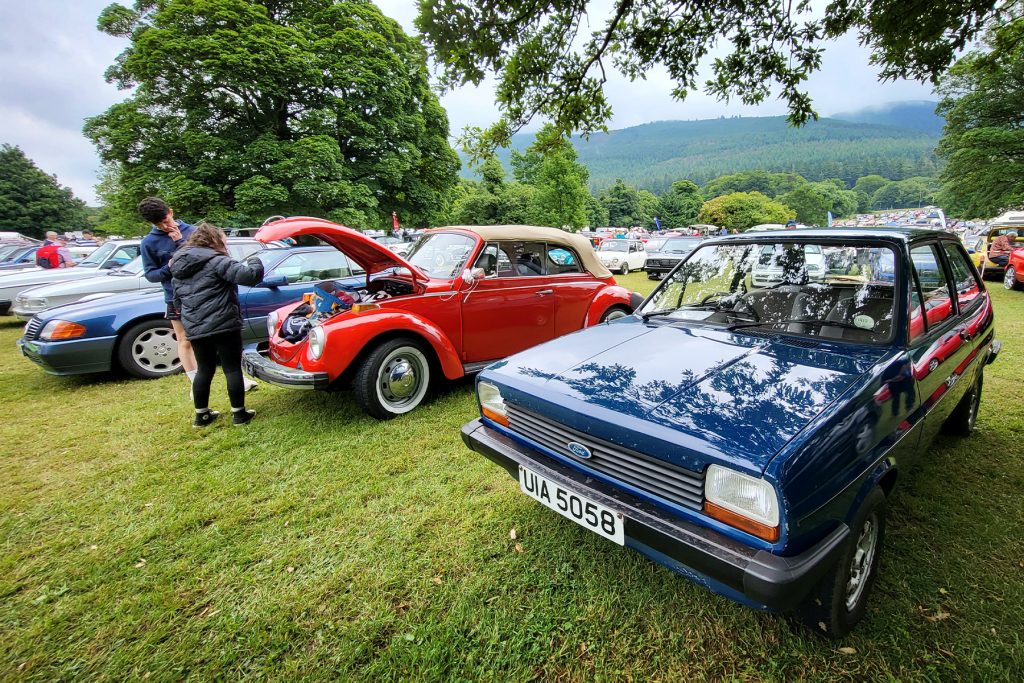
column 206, row 289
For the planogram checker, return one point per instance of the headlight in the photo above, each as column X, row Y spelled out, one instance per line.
column 742, row 501
column 492, row 405
column 317, row 341
column 614, row 261
column 60, row 329
column 272, row 324
column 35, row 304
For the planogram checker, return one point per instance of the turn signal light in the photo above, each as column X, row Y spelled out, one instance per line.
column 768, row 533
column 60, row 329
column 361, row 308
column 494, row 416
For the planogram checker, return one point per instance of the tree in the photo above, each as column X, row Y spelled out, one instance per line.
column 813, row 201
column 559, row 181
column 903, row 194
column 31, row 201
column 545, row 67
column 741, row 210
column 983, row 140
column 768, row 184
column 870, row 184
column 681, row 204
column 623, row 204
column 241, row 109
column 597, row 213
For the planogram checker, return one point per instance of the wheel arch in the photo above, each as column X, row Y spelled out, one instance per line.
column 442, row 353
column 612, row 295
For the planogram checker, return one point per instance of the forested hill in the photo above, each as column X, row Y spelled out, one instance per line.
column 916, row 115
column 653, row 155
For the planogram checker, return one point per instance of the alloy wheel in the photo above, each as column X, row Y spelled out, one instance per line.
column 156, row 350
column 861, row 562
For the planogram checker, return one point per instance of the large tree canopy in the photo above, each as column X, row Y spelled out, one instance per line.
column 547, row 64
column 741, row 210
column 31, row 201
column 242, row 109
column 983, row 140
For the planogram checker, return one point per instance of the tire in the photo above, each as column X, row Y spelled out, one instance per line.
column 149, row 350
column 653, row 276
column 964, row 418
column 837, row 603
column 614, row 313
column 624, row 270
column 408, row 365
column 1010, row 278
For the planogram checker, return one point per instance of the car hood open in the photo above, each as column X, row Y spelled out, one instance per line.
column 372, row 256
column 682, row 393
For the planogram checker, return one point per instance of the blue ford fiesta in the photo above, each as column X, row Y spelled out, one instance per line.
column 746, row 425
column 128, row 331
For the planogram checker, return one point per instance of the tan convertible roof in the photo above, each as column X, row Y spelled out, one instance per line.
column 532, row 233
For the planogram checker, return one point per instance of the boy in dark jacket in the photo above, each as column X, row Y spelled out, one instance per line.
column 156, row 249
column 205, row 281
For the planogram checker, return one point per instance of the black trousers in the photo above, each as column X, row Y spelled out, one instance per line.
column 226, row 346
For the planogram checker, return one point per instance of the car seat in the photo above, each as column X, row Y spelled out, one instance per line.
column 879, row 310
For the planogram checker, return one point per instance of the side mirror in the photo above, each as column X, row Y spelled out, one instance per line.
column 274, row 281
column 471, row 275
column 971, row 251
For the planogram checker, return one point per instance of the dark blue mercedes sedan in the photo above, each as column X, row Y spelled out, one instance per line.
column 746, row 425
column 128, row 331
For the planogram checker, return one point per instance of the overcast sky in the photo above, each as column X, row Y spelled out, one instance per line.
column 52, row 60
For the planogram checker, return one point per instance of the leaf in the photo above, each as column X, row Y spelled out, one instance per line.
column 290, row 570
column 519, row 548
column 140, row 563
column 93, row 547
column 512, row 534
column 848, row 650
column 437, row 580
column 943, row 591
column 939, row 615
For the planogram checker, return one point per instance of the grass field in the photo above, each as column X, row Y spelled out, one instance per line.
column 321, row 544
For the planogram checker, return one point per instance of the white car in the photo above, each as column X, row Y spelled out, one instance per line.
column 622, row 255
column 110, row 255
column 128, row 278
column 769, row 269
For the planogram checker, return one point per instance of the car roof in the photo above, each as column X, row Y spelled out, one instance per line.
column 899, row 234
column 532, row 233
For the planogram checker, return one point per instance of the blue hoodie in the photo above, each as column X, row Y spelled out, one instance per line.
column 157, row 248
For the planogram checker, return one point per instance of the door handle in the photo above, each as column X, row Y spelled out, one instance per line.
column 545, row 292
column 966, row 336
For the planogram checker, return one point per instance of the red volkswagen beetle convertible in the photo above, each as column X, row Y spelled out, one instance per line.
column 462, row 298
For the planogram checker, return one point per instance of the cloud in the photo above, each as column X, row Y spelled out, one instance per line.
column 52, row 61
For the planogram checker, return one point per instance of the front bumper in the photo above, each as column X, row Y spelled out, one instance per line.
column 744, row 573
column 5, row 307
column 25, row 314
column 256, row 365
column 72, row 357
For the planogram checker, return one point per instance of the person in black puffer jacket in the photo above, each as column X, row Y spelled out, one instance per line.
column 206, row 283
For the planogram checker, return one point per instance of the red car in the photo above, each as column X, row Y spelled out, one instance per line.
column 1013, row 276
column 462, row 298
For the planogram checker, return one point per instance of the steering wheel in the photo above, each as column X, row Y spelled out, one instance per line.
column 713, row 295
column 744, row 307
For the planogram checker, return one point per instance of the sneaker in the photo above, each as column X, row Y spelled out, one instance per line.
column 205, row 419
column 250, row 385
column 242, row 417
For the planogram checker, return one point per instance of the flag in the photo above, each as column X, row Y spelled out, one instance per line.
column 394, row 220
column 830, row 219
column 657, row 222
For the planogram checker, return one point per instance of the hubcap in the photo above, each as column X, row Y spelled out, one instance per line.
column 1009, row 278
column 402, row 379
column 156, row 350
column 860, row 564
column 615, row 315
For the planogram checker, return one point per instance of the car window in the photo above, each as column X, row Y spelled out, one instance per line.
column 314, row 266
column 561, row 260
column 495, row 261
column 243, row 250
column 967, row 289
column 527, row 257
column 124, row 255
column 931, row 278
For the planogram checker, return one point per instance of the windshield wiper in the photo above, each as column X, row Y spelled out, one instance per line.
column 665, row 311
column 808, row 321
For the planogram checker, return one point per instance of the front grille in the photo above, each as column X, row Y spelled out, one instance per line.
column 661, row 479
column 33, row 328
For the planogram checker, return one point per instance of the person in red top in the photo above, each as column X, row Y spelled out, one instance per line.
column 999, row 252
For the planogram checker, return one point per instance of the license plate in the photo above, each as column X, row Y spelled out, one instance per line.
column 586, row 513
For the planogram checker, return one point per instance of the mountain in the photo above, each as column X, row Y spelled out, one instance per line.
column 915, row 115
column 654, row 155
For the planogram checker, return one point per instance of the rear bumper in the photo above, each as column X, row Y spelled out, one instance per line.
column 74, row 357
column 738, row 571
column 267, row 370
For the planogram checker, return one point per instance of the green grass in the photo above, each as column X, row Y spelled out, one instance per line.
column 318, row 543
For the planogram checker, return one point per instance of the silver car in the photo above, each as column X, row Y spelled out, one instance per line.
column 128, row 278
column 112, row 254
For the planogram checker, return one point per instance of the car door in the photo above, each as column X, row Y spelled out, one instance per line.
column 512, row 307
column 574, row 288
column 302, row 272
column 637, row 255
column 942, row 346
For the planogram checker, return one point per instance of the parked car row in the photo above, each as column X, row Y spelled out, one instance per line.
column 744, row 425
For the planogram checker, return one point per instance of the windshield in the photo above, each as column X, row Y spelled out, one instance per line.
column 834, row 291
column 680, row 246
column 98, row 256
column 613, row 245
column 441, row 254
